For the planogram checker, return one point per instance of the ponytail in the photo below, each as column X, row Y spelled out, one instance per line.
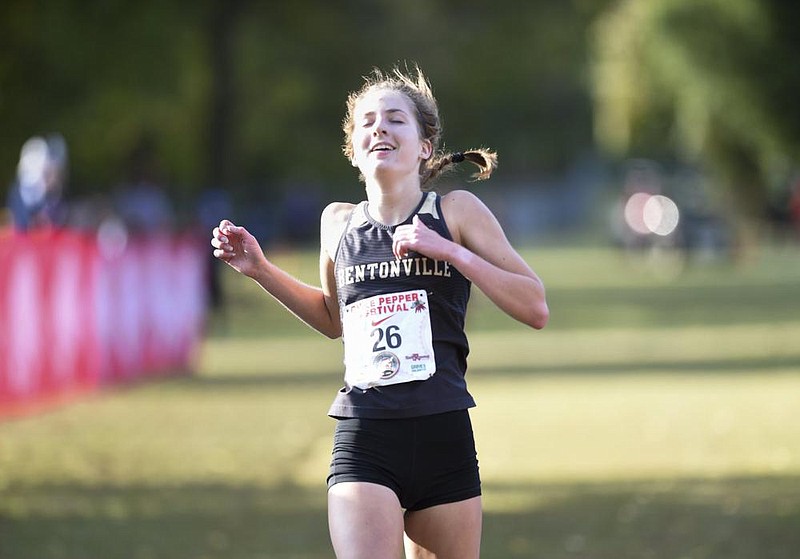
column 484, row 159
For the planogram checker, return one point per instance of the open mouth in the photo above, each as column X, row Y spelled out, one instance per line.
column 381, row 147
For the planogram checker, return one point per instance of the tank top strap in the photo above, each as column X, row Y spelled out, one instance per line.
column 356, row 218
column 430, row 205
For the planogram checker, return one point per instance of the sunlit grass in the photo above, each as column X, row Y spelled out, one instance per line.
column 650, row 419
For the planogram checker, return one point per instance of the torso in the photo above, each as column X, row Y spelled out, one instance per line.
column 366, row 268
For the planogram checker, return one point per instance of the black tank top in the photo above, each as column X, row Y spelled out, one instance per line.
column 365, row 266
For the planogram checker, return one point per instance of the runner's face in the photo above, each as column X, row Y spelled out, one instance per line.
column 386, row 138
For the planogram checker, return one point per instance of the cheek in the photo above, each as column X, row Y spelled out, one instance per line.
column 359, row 144
column 360, row 138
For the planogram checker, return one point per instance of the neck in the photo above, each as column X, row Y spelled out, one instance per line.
column 391, row 205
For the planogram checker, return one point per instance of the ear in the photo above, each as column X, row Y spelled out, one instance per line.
column 426, row 149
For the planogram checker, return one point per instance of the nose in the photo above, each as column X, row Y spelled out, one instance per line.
column 378, row 128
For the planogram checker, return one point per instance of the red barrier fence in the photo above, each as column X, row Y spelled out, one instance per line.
column 75, row 317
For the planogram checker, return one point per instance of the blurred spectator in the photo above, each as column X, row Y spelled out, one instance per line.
column 300, row 217
column 642, row 179
column 141, row 199
column 35, row 198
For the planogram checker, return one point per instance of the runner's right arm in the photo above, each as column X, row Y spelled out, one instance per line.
column 316, row 306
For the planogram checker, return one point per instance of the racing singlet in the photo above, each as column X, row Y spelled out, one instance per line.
column 405, row 350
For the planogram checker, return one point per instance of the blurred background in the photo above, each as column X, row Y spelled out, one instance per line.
column 586, row 101
column 649, row 171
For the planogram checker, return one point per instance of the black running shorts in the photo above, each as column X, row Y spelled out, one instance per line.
column 426, row 461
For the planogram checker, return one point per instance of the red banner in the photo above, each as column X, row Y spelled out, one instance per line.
column 75, row 316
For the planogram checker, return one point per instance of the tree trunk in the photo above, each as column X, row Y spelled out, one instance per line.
column 223, row 16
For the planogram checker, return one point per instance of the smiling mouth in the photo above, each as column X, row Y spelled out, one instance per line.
column 381, row 147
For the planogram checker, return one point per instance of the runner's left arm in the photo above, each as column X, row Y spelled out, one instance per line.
column 481, row 251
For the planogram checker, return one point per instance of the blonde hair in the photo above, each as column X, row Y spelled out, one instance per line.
column 417, row 89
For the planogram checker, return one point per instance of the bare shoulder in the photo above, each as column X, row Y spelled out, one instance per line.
column 460, row 204
column 332, row 223
column 337, row 212
column 462, row 210
column 460, row 198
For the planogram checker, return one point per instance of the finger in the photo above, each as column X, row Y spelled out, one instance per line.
column 397, row 249
column 227, row 227
column 403, row 248
column 235, row 230
column 219, row 236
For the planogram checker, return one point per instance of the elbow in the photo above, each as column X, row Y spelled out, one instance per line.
column 332, row 333
column 539, row 316
column 331, row 325
column 532, row 312
column 538, row 313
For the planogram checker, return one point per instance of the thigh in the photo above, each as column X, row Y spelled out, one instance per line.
column 450, row 531
column 365, row 521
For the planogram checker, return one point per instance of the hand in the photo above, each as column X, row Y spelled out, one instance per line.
column 420, row 238
column 237, row 247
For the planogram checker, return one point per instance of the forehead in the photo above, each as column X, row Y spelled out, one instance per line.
column 379, row 100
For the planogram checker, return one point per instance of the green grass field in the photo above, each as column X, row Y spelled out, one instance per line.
column 653, row 418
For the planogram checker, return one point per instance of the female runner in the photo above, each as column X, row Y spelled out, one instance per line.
column 396, row 271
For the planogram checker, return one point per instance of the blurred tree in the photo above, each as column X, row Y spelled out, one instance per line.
column 104, row 74
column 245, row 94
column 717, row 79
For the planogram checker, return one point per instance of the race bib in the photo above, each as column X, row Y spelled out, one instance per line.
column 388, row 340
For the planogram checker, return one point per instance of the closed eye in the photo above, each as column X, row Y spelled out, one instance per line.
column 394, row 116
column 368, row 123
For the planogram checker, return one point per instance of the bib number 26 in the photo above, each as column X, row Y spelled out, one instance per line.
column 386, row 338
